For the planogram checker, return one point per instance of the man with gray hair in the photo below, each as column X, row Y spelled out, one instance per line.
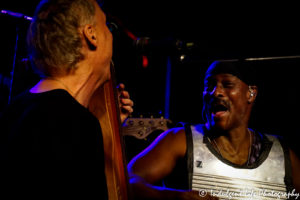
column 71, row 48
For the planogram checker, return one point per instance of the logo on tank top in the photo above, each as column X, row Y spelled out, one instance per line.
column 199, row 163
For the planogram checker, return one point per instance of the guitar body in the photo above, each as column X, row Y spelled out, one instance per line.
column 104, row 105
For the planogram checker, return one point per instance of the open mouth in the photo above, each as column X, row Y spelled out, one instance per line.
column 217, row 109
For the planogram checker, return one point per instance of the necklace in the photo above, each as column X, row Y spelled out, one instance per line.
column 249, row 150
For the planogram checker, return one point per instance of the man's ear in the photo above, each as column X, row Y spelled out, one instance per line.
column 252, row 93
column 89, row 34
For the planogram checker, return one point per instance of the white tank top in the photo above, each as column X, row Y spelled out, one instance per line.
column 211, row 175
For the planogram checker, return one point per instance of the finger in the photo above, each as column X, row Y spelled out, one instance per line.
column 127, row 109
column 121, row 87
column 127, row 102
column 124, row 94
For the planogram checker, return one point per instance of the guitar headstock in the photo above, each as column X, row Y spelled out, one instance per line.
column 142, row 127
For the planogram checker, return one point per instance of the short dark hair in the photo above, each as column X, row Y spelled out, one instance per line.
column 53, row 39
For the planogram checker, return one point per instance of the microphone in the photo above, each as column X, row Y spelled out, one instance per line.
column 16, row 15
column 146, row 44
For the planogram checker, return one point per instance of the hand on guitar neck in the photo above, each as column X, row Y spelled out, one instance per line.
column 125, row 103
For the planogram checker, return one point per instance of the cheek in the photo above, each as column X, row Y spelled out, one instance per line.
column 109, row 44
column 108, row 37
column 238, row 96
column 239, row 104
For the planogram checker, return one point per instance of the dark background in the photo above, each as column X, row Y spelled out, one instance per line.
column 216, row 30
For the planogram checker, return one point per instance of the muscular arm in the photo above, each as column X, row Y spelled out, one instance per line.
column 155, row 163
column 159, row 159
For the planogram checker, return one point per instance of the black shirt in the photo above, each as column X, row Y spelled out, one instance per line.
column 53, row 147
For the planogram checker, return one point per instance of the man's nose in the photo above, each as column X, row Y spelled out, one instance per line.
column 217, row 91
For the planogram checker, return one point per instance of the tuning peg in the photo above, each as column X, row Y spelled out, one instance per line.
column 131, row 122
column 161, row 122
column 140, row 133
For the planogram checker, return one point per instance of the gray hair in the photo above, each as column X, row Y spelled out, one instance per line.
column 53, row 39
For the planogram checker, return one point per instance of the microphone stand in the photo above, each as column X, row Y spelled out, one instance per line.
column 19, row 16
column 14, row 65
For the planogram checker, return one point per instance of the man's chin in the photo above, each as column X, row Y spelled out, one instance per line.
column 216, row 125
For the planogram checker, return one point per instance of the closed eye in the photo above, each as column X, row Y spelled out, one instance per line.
column 228, row 84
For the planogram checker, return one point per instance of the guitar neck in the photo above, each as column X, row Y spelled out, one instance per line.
column 104, row 105
column 143, row 127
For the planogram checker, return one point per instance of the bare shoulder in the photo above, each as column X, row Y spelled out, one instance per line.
column 173, row 134
column 172, row 140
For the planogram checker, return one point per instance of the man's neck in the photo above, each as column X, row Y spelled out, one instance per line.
column 233, row 145
column 80, row 86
